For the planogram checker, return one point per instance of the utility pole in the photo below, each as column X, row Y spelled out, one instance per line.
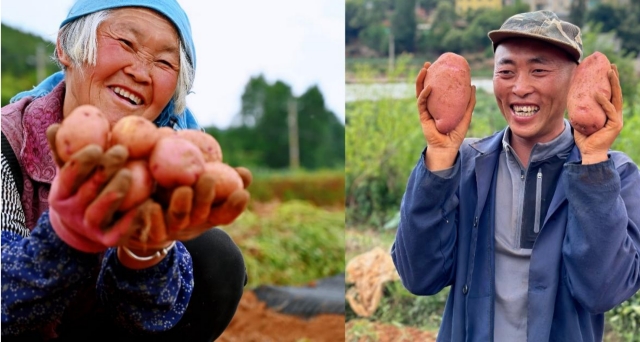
column 40, row 63
column 392, row 51
column 294, row 147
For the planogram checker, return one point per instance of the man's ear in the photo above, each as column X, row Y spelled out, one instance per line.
column 62, row 57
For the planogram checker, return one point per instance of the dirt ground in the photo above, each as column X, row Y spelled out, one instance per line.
column 255, row 322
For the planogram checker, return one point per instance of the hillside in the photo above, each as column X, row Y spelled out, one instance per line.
column 20, row 58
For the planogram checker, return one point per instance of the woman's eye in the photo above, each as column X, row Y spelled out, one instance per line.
column 126, row 42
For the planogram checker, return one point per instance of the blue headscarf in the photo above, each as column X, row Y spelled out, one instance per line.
column 170, row 9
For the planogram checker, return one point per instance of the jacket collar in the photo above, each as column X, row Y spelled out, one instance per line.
column 489, row 144
column 493, row 143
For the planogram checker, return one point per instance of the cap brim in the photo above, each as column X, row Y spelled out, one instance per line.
column 497, row 36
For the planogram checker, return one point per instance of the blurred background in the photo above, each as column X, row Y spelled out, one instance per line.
column 387, row 42
column 269, row 87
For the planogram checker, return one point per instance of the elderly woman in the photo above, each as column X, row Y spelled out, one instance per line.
column 65, row 277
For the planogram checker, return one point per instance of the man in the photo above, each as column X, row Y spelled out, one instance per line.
column 535, row 228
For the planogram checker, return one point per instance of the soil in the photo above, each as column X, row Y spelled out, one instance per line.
column 255, row 322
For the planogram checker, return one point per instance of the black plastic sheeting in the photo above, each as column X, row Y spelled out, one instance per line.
column 326, row 297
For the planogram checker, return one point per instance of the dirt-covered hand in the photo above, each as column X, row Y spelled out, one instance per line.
column 188, row 211
column 85, row 194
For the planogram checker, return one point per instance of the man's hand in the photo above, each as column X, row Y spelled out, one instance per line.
column 442, row 148
column 595, row 147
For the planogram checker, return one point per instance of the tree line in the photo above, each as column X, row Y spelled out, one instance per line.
column 370, row 24
column 260, row 132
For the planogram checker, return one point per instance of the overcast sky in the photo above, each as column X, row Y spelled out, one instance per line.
column 298, row 42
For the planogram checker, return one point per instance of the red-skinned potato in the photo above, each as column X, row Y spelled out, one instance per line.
column 227, row 180
column 208, row 144
column 175, row 161
column 164, row 132
column 136, row 133
column 589, row 78
column 85, row 125
column 141, row 185
column 450, row 80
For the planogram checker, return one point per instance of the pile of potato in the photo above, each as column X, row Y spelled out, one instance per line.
column 160, row 159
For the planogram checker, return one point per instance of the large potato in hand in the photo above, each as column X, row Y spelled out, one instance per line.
column 450, row 80
column 589, row 78
column 85, row 125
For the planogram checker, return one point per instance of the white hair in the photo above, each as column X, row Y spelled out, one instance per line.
column 79, row 40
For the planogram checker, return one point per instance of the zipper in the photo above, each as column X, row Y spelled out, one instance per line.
column 536, row 224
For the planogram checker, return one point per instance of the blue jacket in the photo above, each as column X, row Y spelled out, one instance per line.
column 585, row 261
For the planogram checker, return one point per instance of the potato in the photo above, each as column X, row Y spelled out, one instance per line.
column 450, row 80
column 85, row 125
column 227, row 180
column 208, row 145
column 175, row 161
column 137, row 134
column 166, row 132
column 590, row 77
column 141, row 185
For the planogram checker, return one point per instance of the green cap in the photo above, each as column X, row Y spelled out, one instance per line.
column 541, row 25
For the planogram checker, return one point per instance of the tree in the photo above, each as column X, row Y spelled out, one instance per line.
column 403, row 25
column 578, row 12
column 361, row 14
column 262, row 136
column 321, row 134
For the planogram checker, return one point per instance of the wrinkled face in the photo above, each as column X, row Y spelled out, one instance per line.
column 531, row 81
column 136, row 73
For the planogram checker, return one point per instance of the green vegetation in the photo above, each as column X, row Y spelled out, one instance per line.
column 322, row 188
column 260, row 137
column 435, row 27
column 294, row 245
column 18, row 63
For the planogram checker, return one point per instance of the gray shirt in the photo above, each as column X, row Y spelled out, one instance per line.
column 520, row 197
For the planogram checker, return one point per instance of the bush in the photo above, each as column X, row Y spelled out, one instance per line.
column 382, row 142
column 294, row 245
column 322, row 188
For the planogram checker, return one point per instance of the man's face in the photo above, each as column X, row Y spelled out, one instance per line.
column 136, row 72
column 531, row 81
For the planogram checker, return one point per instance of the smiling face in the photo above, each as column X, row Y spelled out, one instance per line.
column 136, row 72
column 531, row 81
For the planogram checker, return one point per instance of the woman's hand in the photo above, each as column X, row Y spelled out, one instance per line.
column 190, row 211
column 85, row 195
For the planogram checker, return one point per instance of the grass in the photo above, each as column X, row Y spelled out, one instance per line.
column 322, row 188
column 294, row 244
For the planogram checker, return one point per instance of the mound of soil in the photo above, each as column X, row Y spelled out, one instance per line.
column 255, row 322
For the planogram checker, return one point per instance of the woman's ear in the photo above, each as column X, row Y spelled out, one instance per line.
column 62, row 57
